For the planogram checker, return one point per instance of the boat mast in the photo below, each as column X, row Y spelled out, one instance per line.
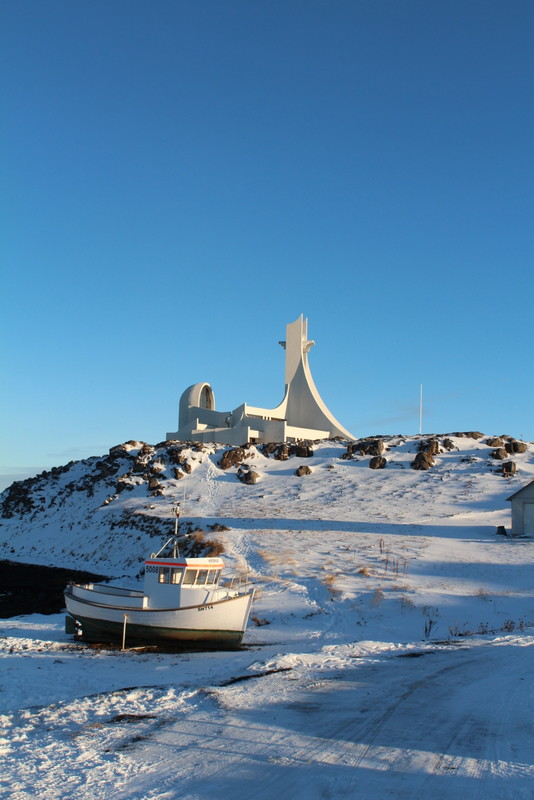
column 176, row 510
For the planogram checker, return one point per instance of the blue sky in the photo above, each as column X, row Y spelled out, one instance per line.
column 184, row 178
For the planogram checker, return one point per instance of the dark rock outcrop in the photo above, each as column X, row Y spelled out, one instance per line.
column 303, row 470
column 281, row 452
column 494, row 441
column 499, row 453
column 303, row 450
column 514, row 446
column 509, row 468
column 366, row 447
column 231, row 458
column 430, row 446
column 377, row 462
column 422, row 460
column 124, row 483
column 247, row 476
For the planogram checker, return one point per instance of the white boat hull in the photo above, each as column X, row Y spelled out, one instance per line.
column 221, row 623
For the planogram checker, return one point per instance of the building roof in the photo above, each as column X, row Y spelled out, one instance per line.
column 530, row 483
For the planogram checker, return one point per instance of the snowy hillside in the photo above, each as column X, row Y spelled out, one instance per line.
column 353, row 567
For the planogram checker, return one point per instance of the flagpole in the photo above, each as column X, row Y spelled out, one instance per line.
column 420, row 409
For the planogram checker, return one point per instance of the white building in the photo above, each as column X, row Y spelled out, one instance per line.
column 302, row 413
column 523, row 511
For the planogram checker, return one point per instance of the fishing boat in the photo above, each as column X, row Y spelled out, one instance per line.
column 182, row 602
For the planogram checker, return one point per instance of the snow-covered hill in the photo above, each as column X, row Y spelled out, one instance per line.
column 353, row 567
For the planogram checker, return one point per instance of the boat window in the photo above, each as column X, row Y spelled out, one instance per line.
column 163, row 576
column 202, row 576
column 190, row 575
column 212, row 577
column 176, row 575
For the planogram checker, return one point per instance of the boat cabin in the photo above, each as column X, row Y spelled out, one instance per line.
column 181, row 582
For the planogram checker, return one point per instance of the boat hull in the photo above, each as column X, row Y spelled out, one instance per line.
column 220, row 624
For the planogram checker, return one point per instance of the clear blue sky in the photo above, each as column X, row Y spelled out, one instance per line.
column 183, row 178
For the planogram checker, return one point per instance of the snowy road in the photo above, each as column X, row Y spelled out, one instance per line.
column 449, row 721
column 452, row 723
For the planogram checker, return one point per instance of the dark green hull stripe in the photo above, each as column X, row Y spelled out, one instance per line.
column 105, row 631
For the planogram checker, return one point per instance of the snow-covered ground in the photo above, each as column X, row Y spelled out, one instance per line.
column 390, row 654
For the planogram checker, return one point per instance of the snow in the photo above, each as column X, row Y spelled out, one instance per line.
column 390, row 657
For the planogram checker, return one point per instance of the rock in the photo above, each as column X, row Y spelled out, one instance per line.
column 377, row 462
column 218, row 528
column 282, row 452
column 368, row 447
column 303, row 470
column 448, row 444
column 247, row 476
column 509, row 468
column 430, row 446
column 124, row 483
column 175, row 455
column 107, row 467
column 268, row 448
column 153, row 484
column 232, row 458
column 178, row 474
column 423, row 460
column 499, row 453
column 468, row 434
column 118, row 451
column 515, row 447
column 186, row 466
column 494, row 441
column 18, row 500
column 303, row 450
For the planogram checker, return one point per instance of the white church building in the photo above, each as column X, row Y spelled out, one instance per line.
column 302, row 413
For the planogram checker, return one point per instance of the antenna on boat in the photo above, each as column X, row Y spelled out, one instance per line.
column 176, row 510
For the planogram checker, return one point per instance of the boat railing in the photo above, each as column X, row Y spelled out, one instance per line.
column 238, row 583
column 97, row 594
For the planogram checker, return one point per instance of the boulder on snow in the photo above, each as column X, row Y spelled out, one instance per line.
column 377, row 462
column 303, row 450
column 281, row 453
column 430, row 446
column 124, row 483
column 494, row 441
column 247, row 476
column 303, row 470
column 230, row 458
column 422, row 460
column 367, row 447
column 514, row 446
column 509, row 468
column 499, row 453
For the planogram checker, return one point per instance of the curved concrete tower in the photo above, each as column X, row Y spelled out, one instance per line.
column 302, row 414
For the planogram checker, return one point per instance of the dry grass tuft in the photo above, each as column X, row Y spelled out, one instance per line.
column 377, row 597
column 329, row 581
